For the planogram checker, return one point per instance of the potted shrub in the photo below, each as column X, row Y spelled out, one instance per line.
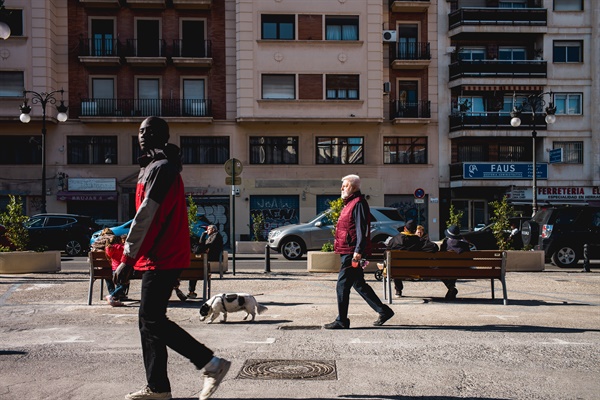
column 258, row 242
column 14, row 258
column 326, row 260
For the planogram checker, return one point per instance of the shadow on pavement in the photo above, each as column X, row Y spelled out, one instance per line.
column 486, row 328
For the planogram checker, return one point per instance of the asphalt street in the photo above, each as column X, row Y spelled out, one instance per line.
column 545, row 344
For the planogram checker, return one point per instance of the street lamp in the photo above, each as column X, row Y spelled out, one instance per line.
column 43, row 99
column 4, row 27
column 536, row 103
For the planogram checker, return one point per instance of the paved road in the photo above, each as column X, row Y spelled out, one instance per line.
column 544, row 344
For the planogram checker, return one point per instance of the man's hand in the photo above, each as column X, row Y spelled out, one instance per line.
column 122, row 274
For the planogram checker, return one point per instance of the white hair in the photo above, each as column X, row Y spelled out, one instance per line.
column 353, row 179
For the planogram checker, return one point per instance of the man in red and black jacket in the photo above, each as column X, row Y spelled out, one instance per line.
column 352, row 241
column 158, row 244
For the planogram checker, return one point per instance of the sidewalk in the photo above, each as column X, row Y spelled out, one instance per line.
column 544, row 344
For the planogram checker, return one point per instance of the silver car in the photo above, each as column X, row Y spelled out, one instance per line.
column 293, row 241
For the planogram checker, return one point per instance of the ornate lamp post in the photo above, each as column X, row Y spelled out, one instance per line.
column 4, row 27
column 43, row 99
column 536, row 103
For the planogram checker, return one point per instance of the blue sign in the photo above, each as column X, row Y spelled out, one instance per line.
column 556, row 156
column 504, row 170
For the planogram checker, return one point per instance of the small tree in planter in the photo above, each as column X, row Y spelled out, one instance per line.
column 455, row 216
column 501, row 223
column 258, row 227
column 13, row 220
column 335, row 208
column 192, row 214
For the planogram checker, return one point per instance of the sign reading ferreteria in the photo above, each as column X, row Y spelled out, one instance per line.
column 557, row 193
column 503, row 170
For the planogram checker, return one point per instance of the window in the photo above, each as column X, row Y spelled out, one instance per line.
column 472, row 152
column 567, row 52
column 91, row 150
column 148, row 97
column 12, row 84
column 194, row 103
column 471, row 105
column 572, row 151
column 342, row 87
column 279, row 87
column 14, row 19
column 103, row 43
column 148, row 38
column 341, row 28
column 405, row 150
column 205, row 149
column 568, row 5
column 278, row 27
column 513, row 152
column 471, row 54
column 568, row 104
column 512, row 4
column 103, row 98
column 21, row 150
column 512, row 54
column 274, row 150
column 340, row 150
column 193, row 42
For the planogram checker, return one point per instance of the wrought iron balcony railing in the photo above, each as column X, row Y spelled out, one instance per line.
column 495, row 68
column 99, row 47
column 191, row 48
column 146, row 48
column 493, row 120
column 410, row 51
column 498, row 16
column 145, row 107
column 403, row 109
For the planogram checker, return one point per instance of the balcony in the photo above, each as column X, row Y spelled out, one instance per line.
column 410, row 113
column 410, row 55
column 409, row 5
column 498, row 68
column 493, row 120
column 102, row 52
column 147, row 3
column 498, row 17
column 128, row 108
column 146, row 52
column 192, row 4
column 192, row 53
column 100, row 3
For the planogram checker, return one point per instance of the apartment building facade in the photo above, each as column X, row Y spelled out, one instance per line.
column 301, row 93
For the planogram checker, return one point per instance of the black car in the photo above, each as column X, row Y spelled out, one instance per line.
column 562, row 231
column 484, row 239
column 67, row 232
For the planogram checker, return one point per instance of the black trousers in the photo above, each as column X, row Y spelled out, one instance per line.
column 157, row 332
column 349, row 278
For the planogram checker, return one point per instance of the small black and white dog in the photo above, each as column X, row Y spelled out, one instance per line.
column 223, row 303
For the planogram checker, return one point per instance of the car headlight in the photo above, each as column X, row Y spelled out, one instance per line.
column 274, row 233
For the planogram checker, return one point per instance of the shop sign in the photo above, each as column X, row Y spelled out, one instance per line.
column 503, row 170
column 92, row 184
column 557, row 193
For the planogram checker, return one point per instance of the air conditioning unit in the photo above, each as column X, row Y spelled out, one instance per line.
column 389, row 36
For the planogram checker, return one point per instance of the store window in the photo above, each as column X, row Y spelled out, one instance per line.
column 340, row 150
column 205, row 149
column 405, row 150
column 92, row 150
column 274, row 150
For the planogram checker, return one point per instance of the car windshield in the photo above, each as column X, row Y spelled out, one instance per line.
column 391, row 214
column 321, row 218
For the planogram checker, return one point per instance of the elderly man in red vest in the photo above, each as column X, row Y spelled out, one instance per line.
column 353, row 243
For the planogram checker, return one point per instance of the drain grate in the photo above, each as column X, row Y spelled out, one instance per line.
column 299, row 327
column 316, row 370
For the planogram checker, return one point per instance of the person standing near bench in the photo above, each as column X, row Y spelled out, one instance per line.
column 211, row 243
column 158, row 244
column 456, row 243
column 411, row 241
column 352, row 242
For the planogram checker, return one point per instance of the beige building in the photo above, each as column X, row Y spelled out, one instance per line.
column 301, row 93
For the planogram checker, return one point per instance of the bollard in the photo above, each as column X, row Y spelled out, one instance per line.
column 586, row 258
column 267, row 259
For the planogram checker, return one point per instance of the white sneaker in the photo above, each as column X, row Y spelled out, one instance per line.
column 147, row 394
column 212, row 379
column 113, row 302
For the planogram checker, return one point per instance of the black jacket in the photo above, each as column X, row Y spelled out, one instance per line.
column 411, row 242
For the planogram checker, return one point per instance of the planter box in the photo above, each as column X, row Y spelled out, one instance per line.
column 524, row 261
column 250, row 247
column 28, row 262
column 214, row 265
column 319, row 261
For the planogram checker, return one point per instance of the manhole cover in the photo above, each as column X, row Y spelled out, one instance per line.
column 288, row 369
column 299, row 327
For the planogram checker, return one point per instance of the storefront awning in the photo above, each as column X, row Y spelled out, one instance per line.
column 86, row 196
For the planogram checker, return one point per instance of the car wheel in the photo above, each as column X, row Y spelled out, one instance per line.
column 74, row 247
column 292, row 249
column 565, row 256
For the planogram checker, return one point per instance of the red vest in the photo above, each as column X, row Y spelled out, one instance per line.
column 345, row 230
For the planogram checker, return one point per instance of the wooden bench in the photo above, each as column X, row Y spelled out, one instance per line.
column 419, row 265
column 100, row 268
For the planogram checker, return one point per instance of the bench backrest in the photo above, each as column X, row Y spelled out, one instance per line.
column 445, row 264
column 100, row 266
